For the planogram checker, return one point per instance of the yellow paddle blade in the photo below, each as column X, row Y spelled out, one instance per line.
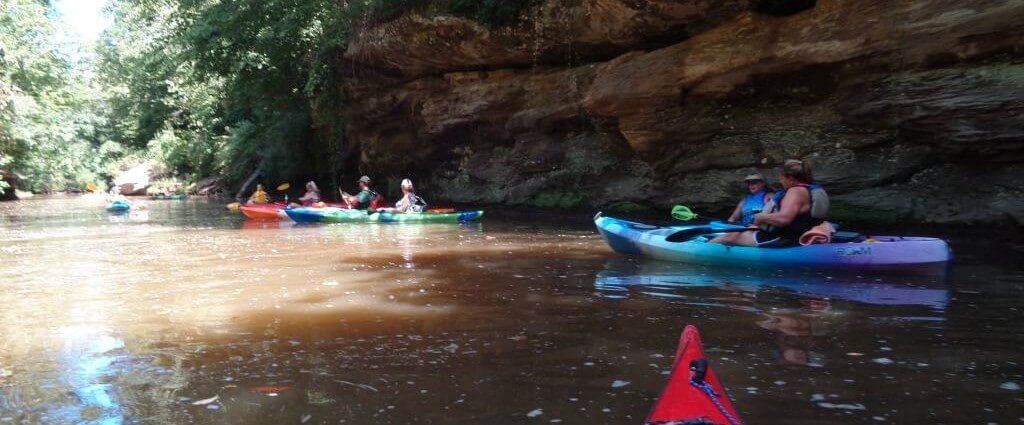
column 90, row 187
column 283, row 186
column 234, row 206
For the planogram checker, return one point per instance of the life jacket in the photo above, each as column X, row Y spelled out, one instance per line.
column 819, row 200
column 803, row 221
column 753, row 203
column 418, row 204
column 377, row 201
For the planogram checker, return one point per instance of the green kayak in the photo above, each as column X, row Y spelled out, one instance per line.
column 342, row 215
column 171, row 197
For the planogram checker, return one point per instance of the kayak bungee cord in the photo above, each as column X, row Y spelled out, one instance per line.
column 700, row 368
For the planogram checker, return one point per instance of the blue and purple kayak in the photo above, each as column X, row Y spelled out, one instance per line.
column 884, row 252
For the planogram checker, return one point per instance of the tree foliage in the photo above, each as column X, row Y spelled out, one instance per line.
column 47, row 109
column 205, row 86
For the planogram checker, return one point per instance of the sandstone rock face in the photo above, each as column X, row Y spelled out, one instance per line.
column 910, row 110
column 556, row 33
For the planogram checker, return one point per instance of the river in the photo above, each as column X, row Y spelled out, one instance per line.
column 187, row 313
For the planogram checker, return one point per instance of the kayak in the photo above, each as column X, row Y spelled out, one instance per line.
column 342, row 215
column 693, row 394
column 119, row 206
column 264, row 211
column 883, row 252
column 274, row 211
column 171, row 197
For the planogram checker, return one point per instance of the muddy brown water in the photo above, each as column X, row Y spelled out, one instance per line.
column 186, row 313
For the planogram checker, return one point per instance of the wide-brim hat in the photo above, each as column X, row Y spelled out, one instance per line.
column 364, row 179
column 754, row 177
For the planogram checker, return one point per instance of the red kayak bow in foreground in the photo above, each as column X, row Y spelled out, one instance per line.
column 694, row 395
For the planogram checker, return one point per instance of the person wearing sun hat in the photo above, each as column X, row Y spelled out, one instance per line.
column 753, row 202
column 410, row 202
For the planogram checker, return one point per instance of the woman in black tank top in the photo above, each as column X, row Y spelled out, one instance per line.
column 788, row 219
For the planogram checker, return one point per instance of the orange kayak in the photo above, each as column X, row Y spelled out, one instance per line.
column 273, row 211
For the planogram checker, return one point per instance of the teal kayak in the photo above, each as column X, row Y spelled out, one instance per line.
column 886, row 252
column 344, row 215
column 119, row 206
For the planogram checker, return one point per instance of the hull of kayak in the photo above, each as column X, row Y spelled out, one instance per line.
column 274, row 211
column 886, row 252
column 119, row 206
column 682, row 400
column 175, row 197
column 264, row 211
column 341, row 215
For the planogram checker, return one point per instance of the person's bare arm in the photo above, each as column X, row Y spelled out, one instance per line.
column 791, row 204
column 737, row 213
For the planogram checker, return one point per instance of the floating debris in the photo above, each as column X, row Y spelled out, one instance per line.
column 206, row 400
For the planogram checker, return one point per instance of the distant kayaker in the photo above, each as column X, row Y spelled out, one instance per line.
column 259, row 196
column 758, row 194
column 800, row 206
column 311, row 197
column 410, row 202
column 367, row 198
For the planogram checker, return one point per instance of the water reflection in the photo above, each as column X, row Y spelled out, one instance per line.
column 624, row 276
column 87, row 356
column 481, row 323
column 801, row 309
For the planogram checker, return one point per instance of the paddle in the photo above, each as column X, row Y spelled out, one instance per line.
column 688, row 234
column 283, row 187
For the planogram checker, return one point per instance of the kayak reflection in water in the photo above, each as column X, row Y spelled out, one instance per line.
column 797, row 209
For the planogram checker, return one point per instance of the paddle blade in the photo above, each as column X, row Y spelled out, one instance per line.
column 688, row 234
column 283, row 186
column 683, row 213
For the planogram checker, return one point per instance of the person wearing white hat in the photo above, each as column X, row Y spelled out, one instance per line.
column 758, row 194
column 410, row 202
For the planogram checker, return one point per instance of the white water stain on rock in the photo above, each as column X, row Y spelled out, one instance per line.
column 1011, row 386
column 619, row 383
column 535, row 413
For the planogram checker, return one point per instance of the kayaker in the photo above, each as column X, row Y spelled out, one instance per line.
column 800, row 206
column 410, row 202
column 758, row 195
column 259, row 196
column 367, row 198
column 311, row 197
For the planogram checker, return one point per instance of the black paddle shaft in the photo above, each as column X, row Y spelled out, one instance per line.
column 688, row 234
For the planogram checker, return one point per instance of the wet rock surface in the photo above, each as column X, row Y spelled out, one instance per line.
column 909, row 110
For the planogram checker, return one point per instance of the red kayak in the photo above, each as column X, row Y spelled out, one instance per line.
column 693, row 394
column 274, row 211
column 264, row 211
